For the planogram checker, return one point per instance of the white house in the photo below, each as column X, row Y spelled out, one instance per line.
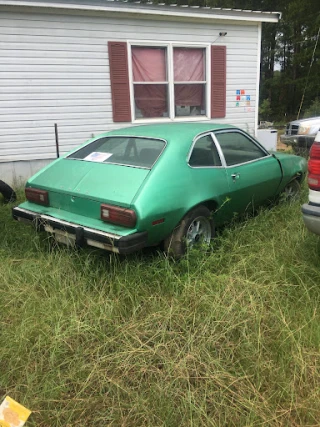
column 90, row 66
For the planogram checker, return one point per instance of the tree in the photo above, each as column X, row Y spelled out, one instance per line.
column 289, row 75
column 292, row 47
column 313, row 110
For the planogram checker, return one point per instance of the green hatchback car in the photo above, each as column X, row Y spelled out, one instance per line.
column 165, row 183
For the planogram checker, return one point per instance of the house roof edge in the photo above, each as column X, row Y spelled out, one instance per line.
column 149, row 8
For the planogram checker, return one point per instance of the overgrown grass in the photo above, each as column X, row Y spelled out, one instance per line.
column 229, row 337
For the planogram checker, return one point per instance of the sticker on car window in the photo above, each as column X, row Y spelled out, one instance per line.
column 96, row 156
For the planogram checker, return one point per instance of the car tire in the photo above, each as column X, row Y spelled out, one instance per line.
column 196, row 227
column 291, row 191
column 8, row 194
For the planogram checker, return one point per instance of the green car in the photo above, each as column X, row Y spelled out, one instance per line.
column 163, row 183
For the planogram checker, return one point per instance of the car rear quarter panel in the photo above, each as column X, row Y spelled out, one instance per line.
column 170, row 191
column 292, row 167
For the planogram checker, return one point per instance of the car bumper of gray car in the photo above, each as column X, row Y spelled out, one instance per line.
column 301, row 141
column 76, row 235
column 311, row 217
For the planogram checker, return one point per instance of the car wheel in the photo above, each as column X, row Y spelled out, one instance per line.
column 291, row 191
column 8, row 194
column 195, row 228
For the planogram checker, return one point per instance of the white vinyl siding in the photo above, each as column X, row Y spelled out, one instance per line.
column 54, row 69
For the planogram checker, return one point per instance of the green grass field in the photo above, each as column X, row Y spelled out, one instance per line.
column 227, row 337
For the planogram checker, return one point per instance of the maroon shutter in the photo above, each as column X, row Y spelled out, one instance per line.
column 119, row 77
column 218, row 81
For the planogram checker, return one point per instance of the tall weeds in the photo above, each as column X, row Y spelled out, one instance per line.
column 226, row 337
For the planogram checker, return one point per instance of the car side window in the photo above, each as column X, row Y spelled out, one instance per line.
column 204, row 153
column 238, row 148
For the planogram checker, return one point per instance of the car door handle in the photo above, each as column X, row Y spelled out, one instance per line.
column 235, row 176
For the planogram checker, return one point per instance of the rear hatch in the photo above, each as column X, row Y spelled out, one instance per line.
column 80, row 187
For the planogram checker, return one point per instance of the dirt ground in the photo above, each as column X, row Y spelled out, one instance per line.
column 280, row 146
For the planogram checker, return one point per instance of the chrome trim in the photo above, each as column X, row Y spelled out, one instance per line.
column 192, row 146
column 118, row 164
column 104, row 246
column 223, row 160
column 250, row 161
column 71, row 224
column 235, row 130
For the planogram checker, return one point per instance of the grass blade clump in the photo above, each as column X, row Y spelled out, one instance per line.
column 228, row 336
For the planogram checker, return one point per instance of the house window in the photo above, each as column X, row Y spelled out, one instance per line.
column 150, row 81
column 189, row 71
column 168, row 81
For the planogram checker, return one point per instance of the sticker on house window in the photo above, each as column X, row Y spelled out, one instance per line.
column 96, row 156
column 12, row 414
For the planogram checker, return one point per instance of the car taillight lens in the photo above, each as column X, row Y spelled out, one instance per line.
column 314, row 167
column 117, row 215
column 41, row 197
column 315, row 151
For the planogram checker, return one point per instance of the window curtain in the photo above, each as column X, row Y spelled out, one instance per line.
column 189, row 95
column 149, row 65
column 151, row 99
column 188, row 66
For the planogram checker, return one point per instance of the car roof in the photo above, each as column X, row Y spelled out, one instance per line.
column 170, row 131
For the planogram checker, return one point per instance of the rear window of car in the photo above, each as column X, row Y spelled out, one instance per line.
column 128, row 151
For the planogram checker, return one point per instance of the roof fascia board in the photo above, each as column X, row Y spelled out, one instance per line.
column 173, row 11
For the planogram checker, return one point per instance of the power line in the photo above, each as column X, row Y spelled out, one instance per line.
column 307, row 81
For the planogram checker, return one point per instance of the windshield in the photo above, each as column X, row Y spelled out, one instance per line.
column 121, row 150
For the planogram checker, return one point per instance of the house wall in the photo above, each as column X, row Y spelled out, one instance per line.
column 54, row 69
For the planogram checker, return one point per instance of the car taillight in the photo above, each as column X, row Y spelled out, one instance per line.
column 117, row 215
column 315, row 150
column 314, row 167
column 41, row 197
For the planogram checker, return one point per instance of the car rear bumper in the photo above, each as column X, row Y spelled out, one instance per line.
column 77, row 235
column 302, row 141
column 311, row 217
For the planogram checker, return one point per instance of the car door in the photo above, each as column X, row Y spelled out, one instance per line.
column 253, row 174
column 207, row 174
